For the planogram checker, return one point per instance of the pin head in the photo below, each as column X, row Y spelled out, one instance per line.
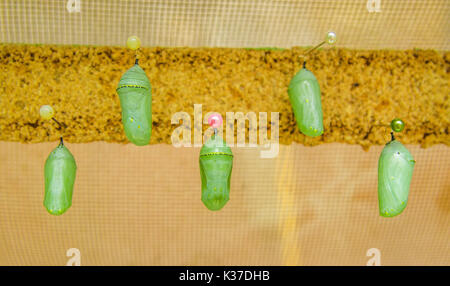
column 133, row 43
column 397, row 125
column 46, row 112
column 215, row 120
column 331, row 38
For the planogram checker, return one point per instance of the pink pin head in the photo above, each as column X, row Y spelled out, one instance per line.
column 215, row 120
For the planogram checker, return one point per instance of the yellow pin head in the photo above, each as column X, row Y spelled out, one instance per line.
column 46, row 112
column 133, row 43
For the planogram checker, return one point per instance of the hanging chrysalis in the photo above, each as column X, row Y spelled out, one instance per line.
column 216, row 163
column 59, row 173
column 395, row 168
column 135, row 94
column 304, row 94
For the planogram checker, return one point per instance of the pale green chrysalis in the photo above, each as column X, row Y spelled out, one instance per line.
column 135, row 94
column 216, row 163
column 395, row 168
column 59, row 173
column 304, row 94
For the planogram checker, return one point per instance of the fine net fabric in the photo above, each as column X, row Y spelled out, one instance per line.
column 399, row 24
column 141, row 206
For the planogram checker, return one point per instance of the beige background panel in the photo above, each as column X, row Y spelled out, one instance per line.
column 401, row 24
column 141, row 206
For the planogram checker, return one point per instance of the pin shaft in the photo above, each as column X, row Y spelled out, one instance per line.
column 60, row 125
column 314, row 48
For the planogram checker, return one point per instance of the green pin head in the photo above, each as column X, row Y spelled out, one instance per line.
column 397, row 125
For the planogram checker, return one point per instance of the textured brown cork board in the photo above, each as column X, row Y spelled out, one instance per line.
column 362, row 91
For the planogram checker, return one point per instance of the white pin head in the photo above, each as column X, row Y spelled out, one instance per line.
column 331, row 38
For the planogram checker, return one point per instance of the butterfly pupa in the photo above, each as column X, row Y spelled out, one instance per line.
column 304, row 94
column 135, row 94
column 216, row 163
column 395, row 169
column 59, row 173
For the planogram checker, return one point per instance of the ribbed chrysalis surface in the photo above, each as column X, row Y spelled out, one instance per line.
column 304, row 94
column 216, row 163
column 59, row 173
column 395, row 168
column 135, row 96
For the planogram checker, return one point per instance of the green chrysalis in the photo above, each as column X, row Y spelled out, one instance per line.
column 304, row 94
column 216, row 163
column 59, row 172
column 135, row 94
column 395, row 168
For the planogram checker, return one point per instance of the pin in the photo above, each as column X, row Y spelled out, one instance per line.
column 134, row 43
column 46, row 112
column 329, row 39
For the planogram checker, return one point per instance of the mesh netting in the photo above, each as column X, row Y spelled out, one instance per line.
column 400, row 24
column 141, row 206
